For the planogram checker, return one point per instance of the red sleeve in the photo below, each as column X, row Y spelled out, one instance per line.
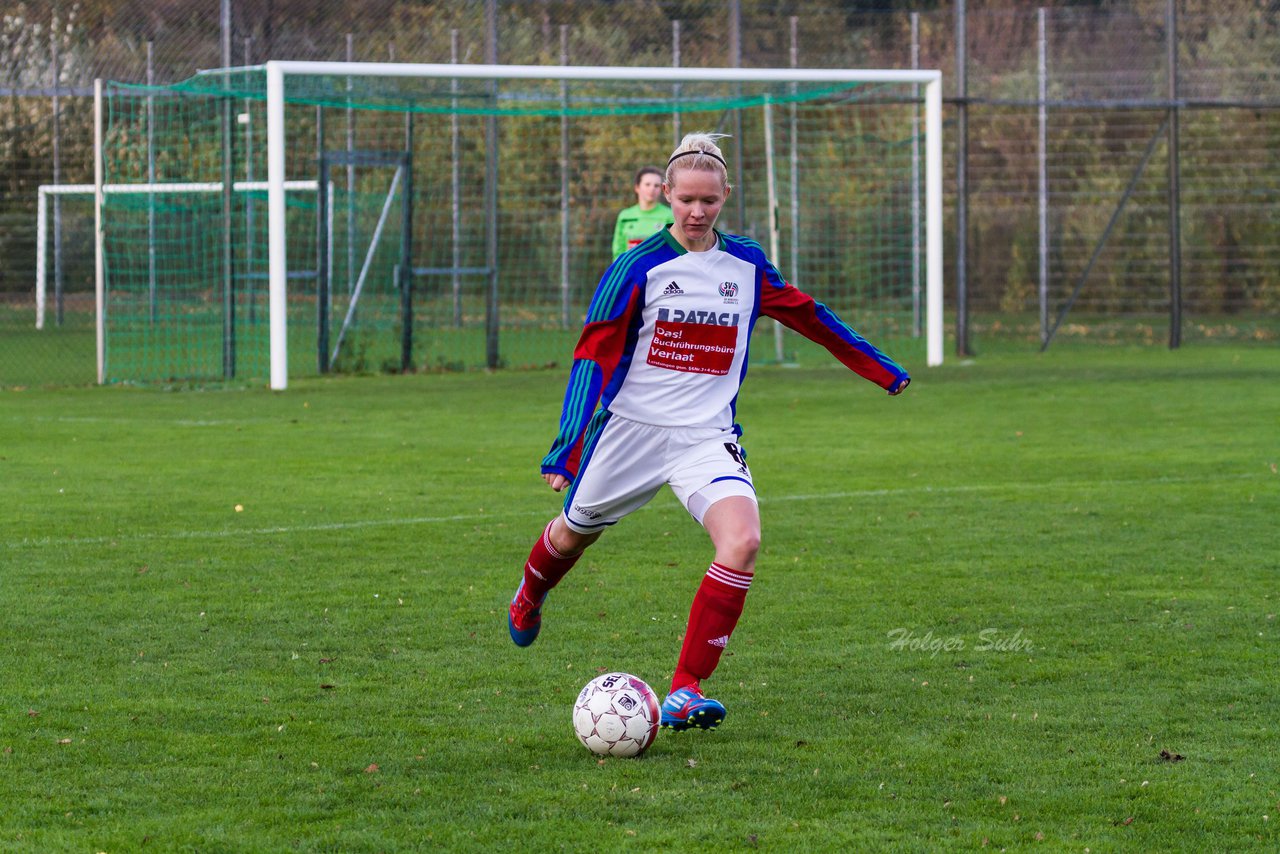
column 603, row 341
column 797, row 310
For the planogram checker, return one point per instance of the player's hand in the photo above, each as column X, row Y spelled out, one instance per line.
column 556, row 481
column 900, row 387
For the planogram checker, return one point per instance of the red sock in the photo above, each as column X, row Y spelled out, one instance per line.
column 716, row 608
column 545, row 567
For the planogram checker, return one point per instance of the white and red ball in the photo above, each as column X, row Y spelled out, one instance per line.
column 616, row 715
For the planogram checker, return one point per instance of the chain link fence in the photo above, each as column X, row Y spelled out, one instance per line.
column 1121, row 164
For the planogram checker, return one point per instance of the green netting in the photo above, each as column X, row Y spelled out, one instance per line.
column 523, row 97
column 846, row 172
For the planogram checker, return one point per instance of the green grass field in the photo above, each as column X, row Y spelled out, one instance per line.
column 1030, row 603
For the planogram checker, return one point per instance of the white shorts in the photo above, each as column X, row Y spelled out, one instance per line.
column 625, row 463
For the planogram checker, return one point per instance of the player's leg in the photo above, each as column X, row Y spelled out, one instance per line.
column 726, row 507
column 734, row 526
column 733, row 523
column 616, row 476
column 552, row 556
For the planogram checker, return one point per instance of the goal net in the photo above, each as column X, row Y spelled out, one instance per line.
column 294, row 219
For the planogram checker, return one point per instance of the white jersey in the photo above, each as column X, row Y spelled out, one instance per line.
column 667, row 336
column 690, row 350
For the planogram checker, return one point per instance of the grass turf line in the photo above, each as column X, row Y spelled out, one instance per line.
column 983, row 610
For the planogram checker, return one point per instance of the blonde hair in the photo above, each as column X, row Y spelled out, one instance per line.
column 698, row 151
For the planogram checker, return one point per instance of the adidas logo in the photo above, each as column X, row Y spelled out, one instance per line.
column 721, row 641
column 673, row 290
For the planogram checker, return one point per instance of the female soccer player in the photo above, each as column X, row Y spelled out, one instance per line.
column 663, row 354
column 646, row 216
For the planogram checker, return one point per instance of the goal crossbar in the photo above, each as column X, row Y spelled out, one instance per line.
column 653, row 74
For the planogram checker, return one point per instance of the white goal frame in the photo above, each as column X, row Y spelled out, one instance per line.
column 278, row 73
column 89, row 191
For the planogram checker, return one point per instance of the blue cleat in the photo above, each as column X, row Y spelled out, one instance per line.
column 524, row 619
column 687, row 708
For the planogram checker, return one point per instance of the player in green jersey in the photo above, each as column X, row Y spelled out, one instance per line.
column 646, row 216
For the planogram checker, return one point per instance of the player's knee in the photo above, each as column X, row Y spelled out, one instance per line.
column 741, row 546
column 568, row 541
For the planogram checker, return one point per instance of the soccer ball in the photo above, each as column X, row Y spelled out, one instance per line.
column 616, row 715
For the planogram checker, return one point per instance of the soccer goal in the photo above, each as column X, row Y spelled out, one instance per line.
column 157, row 196
column 298, row 218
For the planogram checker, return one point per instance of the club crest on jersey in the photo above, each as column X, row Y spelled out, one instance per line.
column 710, row 318
column 728, row 289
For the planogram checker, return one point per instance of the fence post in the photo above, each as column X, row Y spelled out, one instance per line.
column 351, row 178
column 492, row 356
column 58, row 299
column 1042, row 70
column 794, row 144
column 962, row 185
column 455, row 184
column 564, row 183
column 1175, row 206
column 228, row 255
column 735, row 61
column 99, row 268
column 405, row 269
column 917, row 319
column 771, row 186
column 248, row 197
column 323, row 274
column 152, row 290
column 228, row 177
column 675, row 87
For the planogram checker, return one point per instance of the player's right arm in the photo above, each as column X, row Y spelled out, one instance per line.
column 600, row 350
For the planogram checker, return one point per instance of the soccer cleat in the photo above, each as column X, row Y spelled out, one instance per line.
column 524, row 619
column 687, row 708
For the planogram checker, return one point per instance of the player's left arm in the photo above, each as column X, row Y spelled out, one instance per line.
column 797, row 310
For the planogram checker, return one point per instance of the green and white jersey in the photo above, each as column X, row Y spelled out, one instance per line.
column 634, row 225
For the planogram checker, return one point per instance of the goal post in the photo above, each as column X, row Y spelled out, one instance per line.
column 278, row 74
column 289, row 219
